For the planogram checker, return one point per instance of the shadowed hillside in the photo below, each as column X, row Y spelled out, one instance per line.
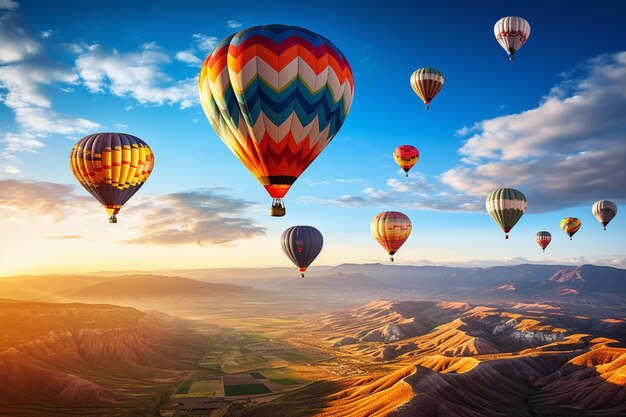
column 105, row 360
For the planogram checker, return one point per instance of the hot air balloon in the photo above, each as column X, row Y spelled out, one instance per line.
column 302, row 244
column 543, row 239
column 406, row 156
column 391, row 229
column 112, row 167
column 570, row 225
column 276, row 95
column 604, row 211
column 506, row 206
column 427, row 83
column 511, row 33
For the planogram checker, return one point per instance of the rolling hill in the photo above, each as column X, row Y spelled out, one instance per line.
column 79, row 359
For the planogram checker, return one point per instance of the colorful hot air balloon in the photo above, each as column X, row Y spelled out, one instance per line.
column 112, row 167
column 427, row 83
column 276, row 95
column 302, row 244
column 506, row 206
column 570, row 225
column 604, row 210
column 391, row 229
column 543, row 239
column 511, row 33
column 406, row 156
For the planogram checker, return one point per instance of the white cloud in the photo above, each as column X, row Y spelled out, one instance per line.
column 50, row 122
column 233, row 24
column 8, row 5
column 24, row 78
column 188, row 57
column 135, row 74
column 567, row 151
column 200, row 217
column 16, row 44
column 47, row 33
column 416, row 192
column 205, row 43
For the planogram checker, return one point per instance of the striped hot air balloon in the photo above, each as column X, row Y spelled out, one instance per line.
column 406, row 156
column 506, row 206
column 604, row 211
column 543, row 239
column 570, row 226
column 511, row 33
column 391, row 229
column 427, row 83
column 276, row 95
column 302, row 244
column 112, row 167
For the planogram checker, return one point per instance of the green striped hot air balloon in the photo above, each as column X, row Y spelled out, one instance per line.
column 427, row 83
column 506, row 206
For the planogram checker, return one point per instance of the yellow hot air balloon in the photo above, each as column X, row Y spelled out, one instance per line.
column 391, row 229
column 570, row 225
column 112, row 167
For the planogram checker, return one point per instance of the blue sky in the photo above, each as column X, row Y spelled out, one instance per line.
column 551, row 124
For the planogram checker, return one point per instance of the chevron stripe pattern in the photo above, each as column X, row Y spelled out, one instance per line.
column 276, row 95
column 112, row 167
column 427, row 83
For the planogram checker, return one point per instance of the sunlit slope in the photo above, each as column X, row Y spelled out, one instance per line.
column 79, row 359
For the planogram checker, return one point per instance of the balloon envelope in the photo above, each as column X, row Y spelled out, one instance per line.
column 276, row 95
column 112, row 167
column 406, row 156
column 506, row 206
column 302, row 244
column 570, row 226
column 543, row 239
column 427, row 83
column 511, row 33
column 604, row 211
column 391, row 229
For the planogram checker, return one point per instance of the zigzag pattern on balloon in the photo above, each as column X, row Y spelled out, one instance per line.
column 276, row 94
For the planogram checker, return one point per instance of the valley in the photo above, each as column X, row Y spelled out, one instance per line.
column 335, row 344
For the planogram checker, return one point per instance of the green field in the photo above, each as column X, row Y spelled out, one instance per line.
column 253, row 338
column 284, row 381
column 246, row 389
column 243, row 349
column 184, row 387
column 256, row 375
column 292, row 357
column 282, row 376
column 248, row 359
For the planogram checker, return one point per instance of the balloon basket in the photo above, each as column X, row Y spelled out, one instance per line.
column 113, row 219
column 278, row 208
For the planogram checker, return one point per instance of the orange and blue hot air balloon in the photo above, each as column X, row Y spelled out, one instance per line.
column 276, row 95
column 112, row 167
column 302, row 244
column 406, row 156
